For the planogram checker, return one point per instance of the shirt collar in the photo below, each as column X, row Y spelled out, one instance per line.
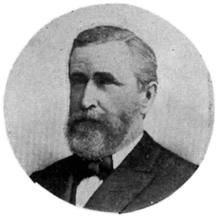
column 119, row 156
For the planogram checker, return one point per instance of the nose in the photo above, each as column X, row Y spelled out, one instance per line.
column 89, row 99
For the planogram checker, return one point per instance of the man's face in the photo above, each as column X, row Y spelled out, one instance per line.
column 104, row 100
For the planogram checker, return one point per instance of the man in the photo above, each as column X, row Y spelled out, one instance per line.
column 116, row 166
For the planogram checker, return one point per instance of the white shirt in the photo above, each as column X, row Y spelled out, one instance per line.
column 88, row 186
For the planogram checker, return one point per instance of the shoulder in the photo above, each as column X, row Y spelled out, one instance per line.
column 56, row 176
column 171, row 171
column 166, row 159
column 170, row 161
column 166, row 170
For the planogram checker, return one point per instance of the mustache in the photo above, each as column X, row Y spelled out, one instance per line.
column 76, row 119
column 85, row 117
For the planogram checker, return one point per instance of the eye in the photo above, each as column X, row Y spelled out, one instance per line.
column 104, row 80
column 78, row 79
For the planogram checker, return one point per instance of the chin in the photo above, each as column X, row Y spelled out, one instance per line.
column 94, row 140
column 95, row 145
column 91, row 146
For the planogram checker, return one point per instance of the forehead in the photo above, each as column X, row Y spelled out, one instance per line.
column 113, row 57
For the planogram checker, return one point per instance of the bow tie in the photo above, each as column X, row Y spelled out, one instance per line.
column 102, row 168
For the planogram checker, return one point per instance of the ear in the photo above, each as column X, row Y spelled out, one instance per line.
column 147, row 97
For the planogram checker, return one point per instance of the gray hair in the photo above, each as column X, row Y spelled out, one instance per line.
column 143, row 54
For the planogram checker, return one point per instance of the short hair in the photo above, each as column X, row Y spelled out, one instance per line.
column 140, row 51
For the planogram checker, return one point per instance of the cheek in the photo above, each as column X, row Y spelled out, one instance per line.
column 75, row 98
column 124, row 101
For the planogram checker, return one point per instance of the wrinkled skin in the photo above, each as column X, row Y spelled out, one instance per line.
column 105, row 105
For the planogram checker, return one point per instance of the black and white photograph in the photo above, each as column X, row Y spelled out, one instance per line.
column 110, row 108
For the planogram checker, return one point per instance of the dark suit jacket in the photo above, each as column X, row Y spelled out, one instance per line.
column 147, row 175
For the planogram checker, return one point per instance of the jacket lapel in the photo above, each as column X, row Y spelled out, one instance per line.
column 132, row 176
